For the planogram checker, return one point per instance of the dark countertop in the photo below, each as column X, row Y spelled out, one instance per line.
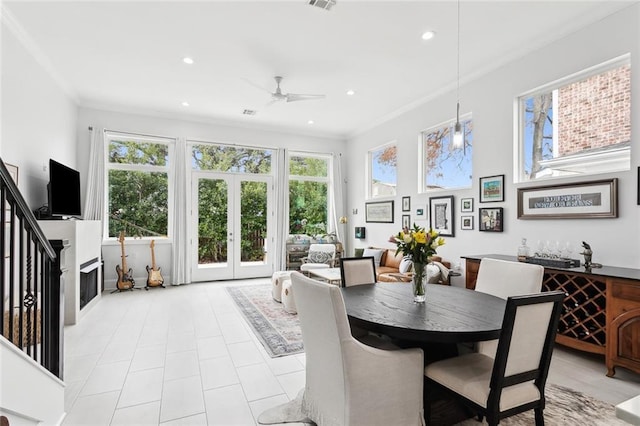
column 605, row 271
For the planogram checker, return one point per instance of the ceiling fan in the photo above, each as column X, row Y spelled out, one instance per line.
column 290, row 97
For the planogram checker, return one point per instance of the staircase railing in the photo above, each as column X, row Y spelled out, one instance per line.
column 30, row 281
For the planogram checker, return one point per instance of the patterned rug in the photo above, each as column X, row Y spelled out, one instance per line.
column 277, row 330
column 565, row 407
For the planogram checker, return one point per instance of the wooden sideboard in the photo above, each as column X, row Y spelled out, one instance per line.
column 601, row 312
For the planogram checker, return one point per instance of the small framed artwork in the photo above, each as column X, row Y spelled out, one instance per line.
column 491, row 219
column 441, row 215
column 466, row 205
column 466, row 223
column 419, row 212
column 492, row 189
column 406, row 221
column 406, row 204
column 379, row 211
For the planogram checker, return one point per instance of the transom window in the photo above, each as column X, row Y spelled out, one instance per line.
column 445, row 166
column 580, row 125
column 383, row 171
column 138, row 185
column 226, row 158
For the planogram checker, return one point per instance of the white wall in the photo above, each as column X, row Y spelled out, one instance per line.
column 138, row 251
column 490, row 98
column 38, row 119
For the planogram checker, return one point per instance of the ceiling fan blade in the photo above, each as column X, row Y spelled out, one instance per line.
column 292, row 97
column 257, row 86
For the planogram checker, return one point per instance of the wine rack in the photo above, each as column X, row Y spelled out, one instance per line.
column 583, row 319
column 601, row 312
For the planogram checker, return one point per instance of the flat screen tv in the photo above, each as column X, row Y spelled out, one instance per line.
column 63, row 190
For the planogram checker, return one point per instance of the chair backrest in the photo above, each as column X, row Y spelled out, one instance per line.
column 526, row 342
column 357, row 270
column 325, row 329
column 503, row 278
column 321, row 253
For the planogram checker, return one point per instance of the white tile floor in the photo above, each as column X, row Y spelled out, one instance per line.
column 185, row 356
column 180, row 355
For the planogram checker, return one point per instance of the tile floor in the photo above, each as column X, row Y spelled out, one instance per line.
column 185, row 356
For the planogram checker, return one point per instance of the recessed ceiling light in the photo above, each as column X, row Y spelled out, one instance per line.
column 351, row 92
column 185, row 104
column 428, row 35
column 187, row 60
column 310, row 122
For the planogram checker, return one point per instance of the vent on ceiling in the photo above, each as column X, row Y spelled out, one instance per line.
column 323, row 4
column 249, row 112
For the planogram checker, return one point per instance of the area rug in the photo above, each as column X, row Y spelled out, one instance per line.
column 565, row 407
column 277, row 330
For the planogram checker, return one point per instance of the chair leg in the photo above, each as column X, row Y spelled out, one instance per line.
column 539, row 416
column 426, row 402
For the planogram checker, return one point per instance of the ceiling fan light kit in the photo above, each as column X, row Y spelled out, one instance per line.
column 323, row 4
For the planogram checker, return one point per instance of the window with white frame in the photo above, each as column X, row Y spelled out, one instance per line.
column 137, row 185
column 580, row 125
column 309, row 193
column 444, row 165
column 383, row 177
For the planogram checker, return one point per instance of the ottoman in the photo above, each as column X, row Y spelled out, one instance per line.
column 276, row 284
column 287, row 297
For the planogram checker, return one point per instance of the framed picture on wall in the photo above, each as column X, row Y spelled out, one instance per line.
column 466, row 205
column 379, row 211
column 492, row 189
column 466, row 223
column 406, row 204
column 441, row 215
column 491, row 219
column 406, row 221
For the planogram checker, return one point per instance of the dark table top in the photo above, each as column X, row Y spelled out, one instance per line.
column 450, row 314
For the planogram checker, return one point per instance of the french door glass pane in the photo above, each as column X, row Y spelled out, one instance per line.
column 212, row 221
column 253, row 226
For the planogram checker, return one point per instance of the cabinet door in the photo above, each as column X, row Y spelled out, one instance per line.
column 623, row 331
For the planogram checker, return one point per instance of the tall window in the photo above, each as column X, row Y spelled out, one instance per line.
column 138, row 185
column 445, row 166
column 309, row 179
column 382, row 171
column 577, row 126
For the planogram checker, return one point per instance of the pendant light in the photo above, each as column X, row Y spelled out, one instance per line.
column 458, row 136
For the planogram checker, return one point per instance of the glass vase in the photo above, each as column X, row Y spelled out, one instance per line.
column 419, row 282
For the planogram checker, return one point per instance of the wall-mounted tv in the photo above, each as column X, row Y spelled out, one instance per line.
column 63, row 190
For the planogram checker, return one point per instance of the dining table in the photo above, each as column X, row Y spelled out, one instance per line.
column 449, row 315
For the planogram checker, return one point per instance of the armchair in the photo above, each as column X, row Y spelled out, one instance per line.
column 319, row 256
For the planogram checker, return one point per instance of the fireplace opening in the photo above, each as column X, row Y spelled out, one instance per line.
column 88, row 281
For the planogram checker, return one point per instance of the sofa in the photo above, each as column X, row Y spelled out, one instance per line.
column 389, row 268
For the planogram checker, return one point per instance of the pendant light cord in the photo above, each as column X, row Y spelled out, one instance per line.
column 458, row 56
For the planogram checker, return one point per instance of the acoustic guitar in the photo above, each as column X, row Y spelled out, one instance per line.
column 125, row 275
column 154, row 278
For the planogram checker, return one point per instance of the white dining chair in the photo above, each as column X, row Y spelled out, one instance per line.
column 513, row 381
column 357, row 271
column 347, row 382
column 503, row 279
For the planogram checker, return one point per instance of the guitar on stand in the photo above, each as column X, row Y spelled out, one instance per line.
column 125, row 275
column 154, row 278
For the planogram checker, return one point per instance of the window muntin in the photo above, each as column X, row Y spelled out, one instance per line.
column 445, row 166
column 225, row 158
column 383, row 174
column 137, row 185
column 580, row 125
column 309, row 186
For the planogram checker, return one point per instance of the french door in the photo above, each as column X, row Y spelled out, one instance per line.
column 231, row 226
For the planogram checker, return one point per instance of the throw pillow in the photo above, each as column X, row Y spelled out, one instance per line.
column 358, row 252
column 377, row 255
column 319, row 256
column 405, row 266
